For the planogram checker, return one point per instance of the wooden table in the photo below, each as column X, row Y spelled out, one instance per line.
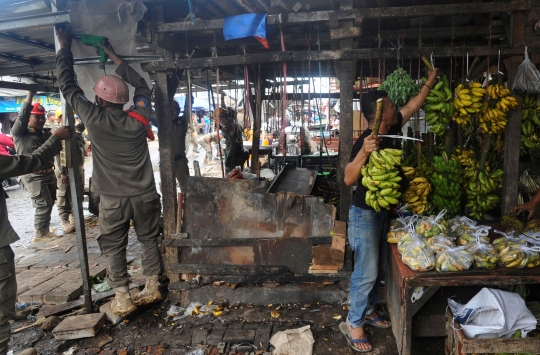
column 401, row 281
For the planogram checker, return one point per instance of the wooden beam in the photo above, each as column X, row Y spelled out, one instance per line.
column 28, row 87
column 368, row 13
column 220, row 269
column 267, row 57
column 512, row 135
column 235, row 242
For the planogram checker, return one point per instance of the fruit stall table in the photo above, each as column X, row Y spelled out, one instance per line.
column 401, row 282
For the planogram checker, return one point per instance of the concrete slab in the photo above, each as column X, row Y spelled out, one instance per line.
column 77, row 327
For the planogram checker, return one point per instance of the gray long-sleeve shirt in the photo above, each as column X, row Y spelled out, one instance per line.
column 121, row 160
column 11, row 166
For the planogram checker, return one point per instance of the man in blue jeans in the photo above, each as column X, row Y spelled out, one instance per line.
column 366, row 229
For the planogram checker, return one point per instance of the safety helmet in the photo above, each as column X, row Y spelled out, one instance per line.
column 112, row 89
column 58, row 113
column 38, row 109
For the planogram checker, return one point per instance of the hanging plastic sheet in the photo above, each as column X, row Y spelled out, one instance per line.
column 114, row 19
column 248, row 25
column 527, row 79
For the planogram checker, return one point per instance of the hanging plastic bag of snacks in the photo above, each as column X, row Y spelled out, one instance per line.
column 417, row 255
column 439, row 242
column 527, row 80
column 430, row 226
column 453, row 259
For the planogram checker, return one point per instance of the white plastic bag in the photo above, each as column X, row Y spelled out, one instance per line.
column 527, row 79
column 493, row 314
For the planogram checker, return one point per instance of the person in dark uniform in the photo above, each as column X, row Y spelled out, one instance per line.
column 13, row 166
column 28, row 135
column 122, row 170
column 181, row 125
column 232, row 131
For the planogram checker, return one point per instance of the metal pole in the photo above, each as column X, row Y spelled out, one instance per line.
column 73, row 162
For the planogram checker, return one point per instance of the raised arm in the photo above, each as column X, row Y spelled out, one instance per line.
column 416, row 102
column 20, row 127
column 353, row 169
column 66, row 78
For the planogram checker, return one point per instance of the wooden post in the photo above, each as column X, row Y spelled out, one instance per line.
column 513, row 129
column 256, row 125
column 346, row 74
column 73, row 161
column 165, row 89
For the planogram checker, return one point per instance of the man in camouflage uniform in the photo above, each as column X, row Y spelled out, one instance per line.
column 28, row 135
column 205, row 142
column 122, row 173
column 13, row 166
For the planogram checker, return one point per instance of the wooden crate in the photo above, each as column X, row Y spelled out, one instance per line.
column 458, row 344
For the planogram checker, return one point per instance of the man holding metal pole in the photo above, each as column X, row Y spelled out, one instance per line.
column 122, row 174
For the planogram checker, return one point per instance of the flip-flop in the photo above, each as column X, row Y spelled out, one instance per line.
column 373, row 322
column 345, row 330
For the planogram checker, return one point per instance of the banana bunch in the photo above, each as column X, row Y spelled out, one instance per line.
column 532, row 143
column 530, row 120
column 394, row 236
column 438, row 107
column 481, row 196
column 426, row 168
column 494, row 114
column 468, row 101
column 410, row 172
column 381, row 178
column 516, row 255
column 417, row 193
column 469, row 238
column 507, row 240
column 446, row 181
column 417, row 255
column 453, row 259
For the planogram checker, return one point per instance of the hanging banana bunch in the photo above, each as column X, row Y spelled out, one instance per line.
column 446, row 182
column 494, row 114
column 381, row 178
column 468, row 101
column 438, row 107
column 416, row 195
column 530, row 120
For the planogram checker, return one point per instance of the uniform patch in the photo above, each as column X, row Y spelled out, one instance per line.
column 141, row 102
column 82, row 97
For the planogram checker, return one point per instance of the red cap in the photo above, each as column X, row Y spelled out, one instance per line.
column 38, row 109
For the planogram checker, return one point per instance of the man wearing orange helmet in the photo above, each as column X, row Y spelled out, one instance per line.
column 122, row 170
column 29, row 135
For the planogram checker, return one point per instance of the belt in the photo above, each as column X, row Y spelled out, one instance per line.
column 44, row 171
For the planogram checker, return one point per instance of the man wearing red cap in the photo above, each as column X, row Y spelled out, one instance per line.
column 122, row 170
column 28, row 135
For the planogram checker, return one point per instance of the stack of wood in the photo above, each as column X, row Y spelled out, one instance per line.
column 328, row 259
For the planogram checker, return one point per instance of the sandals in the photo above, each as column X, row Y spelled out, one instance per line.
column 373, row 322
column 345, row 330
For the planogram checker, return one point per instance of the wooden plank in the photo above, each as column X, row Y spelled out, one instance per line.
column 352, row 14
column 343, row 33
column 294, row 253
column 207, row 269
column 326, row 259
column 77, row 327
column 349, row 54
column 340, row 236
column 29, row 279
column 346, row 77
column 37, row 293
column 69, row 290
column 51, row 310
column 297, row 278
column 231, row 242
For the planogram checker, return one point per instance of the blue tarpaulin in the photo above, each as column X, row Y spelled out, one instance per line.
column 247, row 25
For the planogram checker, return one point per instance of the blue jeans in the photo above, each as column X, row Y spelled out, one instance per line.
column 367, row 237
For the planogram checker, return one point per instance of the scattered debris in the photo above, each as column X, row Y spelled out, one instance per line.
column 76, row 327
column 38, row 322
column 293, row 341
column 50, row 323
column 69, row 248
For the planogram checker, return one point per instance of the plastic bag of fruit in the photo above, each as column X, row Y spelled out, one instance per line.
column 460, row 225
column 519, row 256
column 507, row 239
column 472, row 235
column 430, row 226
column 417, row 255
column 484, row 254
column 453, row 259
column 400, row 227
column 440, row 242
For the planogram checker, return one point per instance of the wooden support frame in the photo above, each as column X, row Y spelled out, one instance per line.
column 347, row 54
column 352, row 14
